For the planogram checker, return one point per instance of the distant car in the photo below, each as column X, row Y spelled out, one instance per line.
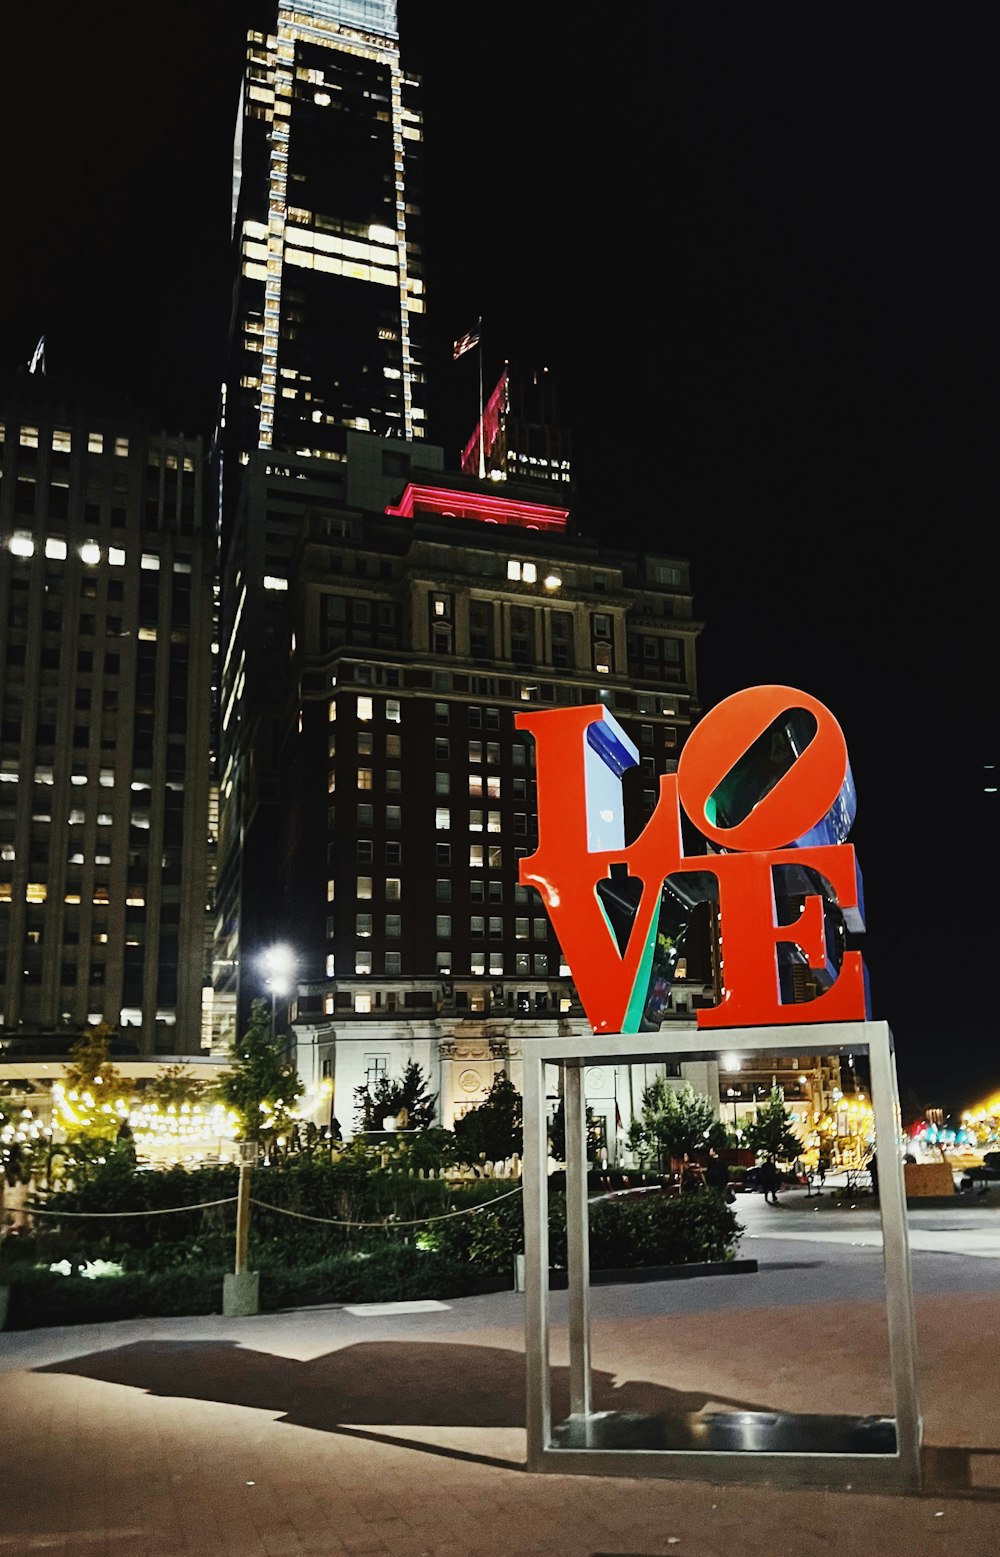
column 984, row 1176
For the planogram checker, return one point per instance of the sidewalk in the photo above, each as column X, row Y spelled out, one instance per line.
column 397, row 1430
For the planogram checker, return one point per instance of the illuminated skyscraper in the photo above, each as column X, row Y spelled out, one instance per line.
column 329, row 301
column 327, row 338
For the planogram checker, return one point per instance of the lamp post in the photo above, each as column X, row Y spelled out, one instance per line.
column 733, row 1093
column 279, row 965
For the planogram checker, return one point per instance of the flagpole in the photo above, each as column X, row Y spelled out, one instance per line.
column 482, row 452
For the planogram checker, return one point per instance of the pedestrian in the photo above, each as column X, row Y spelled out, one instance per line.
column 716, row 1172
column 821, row 1167
column 767, row 1177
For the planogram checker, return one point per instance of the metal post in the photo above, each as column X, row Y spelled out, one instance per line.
column 577, row 1237
column 243, row 1219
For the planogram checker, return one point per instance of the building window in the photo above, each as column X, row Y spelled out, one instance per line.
column 493, row 821
column 476, row 785
column 442, row 854
column 393, row 853
column 366, row 814
column 393, row 746
column 363, row 962
column 442, row 927
column 476, row 856
column 475, row 821
column 442, row 783
column 539, row 929
column 394, row 817
column 475, row 751
column 477, row 926
column 440, row 713
column 392, row 712
column 541, row 965
column 496, row 927
column 521, row 929
column 442, row 889
column 443, row 961
column 366, row 708
column 363, row 925
column 442, row 748
column 364, row 778
column 477, row 962
column 393, row 962
column 494, row 856
column 496, row 962
column 364, row 887
column 364, row 853
column 393, row 926
column 393, row 889
column 442, row 818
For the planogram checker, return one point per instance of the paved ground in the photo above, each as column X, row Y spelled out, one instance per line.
column 355, row 1431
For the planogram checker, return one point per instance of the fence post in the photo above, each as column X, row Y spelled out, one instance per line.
column 241, row 1289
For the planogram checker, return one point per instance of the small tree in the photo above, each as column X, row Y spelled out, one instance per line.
column 673, row 1122
column 406, row 1100
column 174, row 1084
column 494, row 1128
column 771, row 1134
column 262, row 1085
column 557, row 1133
column 91, row 1088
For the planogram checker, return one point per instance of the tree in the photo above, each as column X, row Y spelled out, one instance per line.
column 174, row 1084
column 494, row 1128
column 90, row 1063
column 557, row 1133
column 771, row 1134
column 673, row 1122
column 262, row 1085
column 90, row 1103
column 406, row 1100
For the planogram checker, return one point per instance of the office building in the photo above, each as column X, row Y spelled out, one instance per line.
column 106, row 603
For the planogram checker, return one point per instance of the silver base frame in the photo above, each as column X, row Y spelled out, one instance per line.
column 879, row 1452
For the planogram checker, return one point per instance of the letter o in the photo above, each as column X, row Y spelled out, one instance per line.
column 801, row 798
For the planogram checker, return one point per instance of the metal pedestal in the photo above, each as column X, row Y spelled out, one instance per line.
column 744, row 1446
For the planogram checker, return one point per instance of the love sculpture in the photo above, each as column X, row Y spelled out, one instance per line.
column 765, row 778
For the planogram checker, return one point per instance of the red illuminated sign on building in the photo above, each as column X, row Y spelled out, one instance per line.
column 765, row 778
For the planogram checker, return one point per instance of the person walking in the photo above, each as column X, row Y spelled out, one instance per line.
column 768, row 1180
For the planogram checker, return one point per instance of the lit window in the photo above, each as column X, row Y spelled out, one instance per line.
column 331, row 782
column 116, row 556
column 21, row 544
column 475, row 821
column 35, row 892
column 121, row 447
column 392, row 711
column 365, row 708
column 362, row 962
column 95, row 443
column 393, row 926
column 442, row 926
column 363, row 925
column 477, row 963
column 55, row 549
column 270, row 582
column 364, row 778
column 331, row 891
column 364, row 888
column 150, row 561
column 442, row 818
column 90, row 554
column 475, row 784
column 29, row 438
column 493, row 788
column 330, row 963
column 62, row 443
column 331, row 712
column 476, row 856
column 496, row 962
column 392, row 889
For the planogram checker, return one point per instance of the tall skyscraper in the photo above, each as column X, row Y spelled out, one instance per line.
column 327, row 337
column 328, row 311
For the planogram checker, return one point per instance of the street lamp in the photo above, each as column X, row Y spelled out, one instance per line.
column 733, row 1093
column 278, row 963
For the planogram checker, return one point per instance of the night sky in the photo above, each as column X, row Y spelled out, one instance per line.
column 755, row 247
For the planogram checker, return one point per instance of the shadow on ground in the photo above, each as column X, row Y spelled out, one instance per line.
column 397, row 1383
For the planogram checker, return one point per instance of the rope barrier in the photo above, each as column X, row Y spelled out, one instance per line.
column 386, row 1221
column 263, row 1205
column 165, row 1211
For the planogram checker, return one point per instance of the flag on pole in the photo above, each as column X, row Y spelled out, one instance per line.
column 37, row 363
column 466, row 342
column 618, row 1117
